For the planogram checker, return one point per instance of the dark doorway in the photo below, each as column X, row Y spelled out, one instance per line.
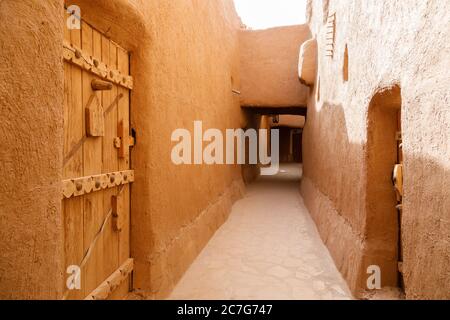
column 297, row 138
column 383, row 224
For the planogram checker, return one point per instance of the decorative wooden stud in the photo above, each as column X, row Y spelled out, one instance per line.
column 98, row 183
column 114, row 179
column 111, row 180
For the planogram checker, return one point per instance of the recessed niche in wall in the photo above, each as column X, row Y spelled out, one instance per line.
column 318, row 89
column 345, row 67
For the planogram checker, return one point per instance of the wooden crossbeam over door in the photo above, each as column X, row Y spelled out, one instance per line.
column 96, row 174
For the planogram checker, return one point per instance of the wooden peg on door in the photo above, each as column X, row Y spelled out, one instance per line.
column 100, row 85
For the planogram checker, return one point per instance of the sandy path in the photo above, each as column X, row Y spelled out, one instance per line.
column 268, row 249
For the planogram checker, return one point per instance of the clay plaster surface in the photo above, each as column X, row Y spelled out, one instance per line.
column 269, row 64
column 31, row 118
column 268, row 249
column 402, row 43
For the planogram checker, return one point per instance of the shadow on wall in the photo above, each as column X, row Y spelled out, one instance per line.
column 347, row 188
column 251, row 172
column 425, row 228
column 332, row 188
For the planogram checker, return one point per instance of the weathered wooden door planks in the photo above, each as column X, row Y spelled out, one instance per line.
column 93, row 240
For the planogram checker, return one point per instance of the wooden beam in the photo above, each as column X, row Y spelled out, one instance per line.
column 105, row 290
column 77, row 57
column 307, row 65
column 85, row 185
column 300, row 111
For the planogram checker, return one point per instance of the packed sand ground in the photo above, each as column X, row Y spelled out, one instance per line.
column 268, row 249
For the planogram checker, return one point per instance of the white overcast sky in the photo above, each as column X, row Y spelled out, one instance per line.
column 263, row 14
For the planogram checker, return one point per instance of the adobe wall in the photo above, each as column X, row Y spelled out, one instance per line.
column 31, row 86
column 402, row 43
column 269, row 63
column 185, row 63
column 193, row 52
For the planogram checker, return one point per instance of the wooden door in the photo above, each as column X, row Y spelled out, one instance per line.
column 97, row 175
column 398, row 182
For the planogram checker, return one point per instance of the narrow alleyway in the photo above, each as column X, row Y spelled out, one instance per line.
column 268, row 249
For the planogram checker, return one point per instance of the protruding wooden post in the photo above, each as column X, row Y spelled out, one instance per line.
column 100, row 85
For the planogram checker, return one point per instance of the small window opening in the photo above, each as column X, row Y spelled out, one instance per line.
column 318, row 90
column 345, row 68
